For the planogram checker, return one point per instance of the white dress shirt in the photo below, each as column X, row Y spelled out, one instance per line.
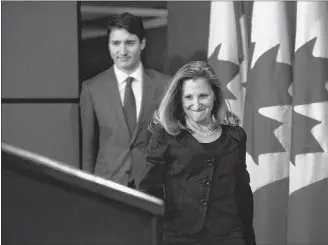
column 136, row 85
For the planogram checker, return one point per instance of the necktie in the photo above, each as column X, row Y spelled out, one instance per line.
column 130, row 106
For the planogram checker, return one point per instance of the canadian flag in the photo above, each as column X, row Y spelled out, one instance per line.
column 308, row 202
column 284, row 110
column 228, row 52
column 267, row 120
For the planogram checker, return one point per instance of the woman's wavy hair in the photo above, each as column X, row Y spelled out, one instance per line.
column 170, row 113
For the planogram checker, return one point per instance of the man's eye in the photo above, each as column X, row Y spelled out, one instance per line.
column 188, row 97
column 115, row 43
column 130, row 42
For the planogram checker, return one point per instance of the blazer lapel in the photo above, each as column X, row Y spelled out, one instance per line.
column 114, row 102
column 148, row 92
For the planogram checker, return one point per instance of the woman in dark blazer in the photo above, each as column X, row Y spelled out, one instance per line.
column 195, row 162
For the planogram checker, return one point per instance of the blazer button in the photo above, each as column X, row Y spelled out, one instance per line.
column 206, row 182
column 204, row 202
column 209, row 163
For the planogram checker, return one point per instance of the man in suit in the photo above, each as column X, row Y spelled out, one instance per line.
column 117, row 106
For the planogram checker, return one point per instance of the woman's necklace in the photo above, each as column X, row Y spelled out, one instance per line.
column 209, row 133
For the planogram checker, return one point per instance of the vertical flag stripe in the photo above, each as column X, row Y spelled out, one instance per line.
column 224, row 52
column 243, row 41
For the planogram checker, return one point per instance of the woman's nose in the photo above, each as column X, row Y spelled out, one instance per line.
column 196, row 103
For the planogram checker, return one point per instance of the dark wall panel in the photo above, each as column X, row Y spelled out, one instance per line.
column 188, row 26
column 48, row 129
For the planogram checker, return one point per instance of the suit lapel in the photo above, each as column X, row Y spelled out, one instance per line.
column 114, row 101
column 148, row 91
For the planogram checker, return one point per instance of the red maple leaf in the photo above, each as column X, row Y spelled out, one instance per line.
column 225, row 70
column 310, row 76
column 267, row 85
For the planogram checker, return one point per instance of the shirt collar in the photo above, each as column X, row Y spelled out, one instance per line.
column 122, row 76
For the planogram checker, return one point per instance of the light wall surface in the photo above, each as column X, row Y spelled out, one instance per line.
column 39, row 49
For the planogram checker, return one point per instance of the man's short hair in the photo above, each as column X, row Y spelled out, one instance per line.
column 129, row 22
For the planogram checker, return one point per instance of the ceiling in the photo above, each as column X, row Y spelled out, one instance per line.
column 95, row 14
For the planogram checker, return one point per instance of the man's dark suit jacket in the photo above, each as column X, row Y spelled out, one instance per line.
column 201, row 189
column 108, row 149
